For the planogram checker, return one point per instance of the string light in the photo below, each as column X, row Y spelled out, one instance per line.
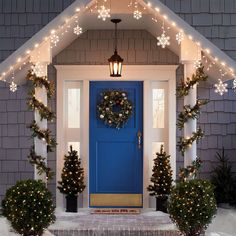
column 78, row 30
column 234, row 85
column 197, row 64
column 221, row 87
column 13, row 87
column 137, row 14
column 179, row 37
column 38, row 69
column 163, row 40
column 103, row 13
column 54, row 38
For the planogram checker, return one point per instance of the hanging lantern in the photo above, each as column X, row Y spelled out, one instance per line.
column 115, row 61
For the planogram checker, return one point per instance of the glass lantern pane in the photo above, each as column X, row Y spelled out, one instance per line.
column 158, row 108
column 73, row 105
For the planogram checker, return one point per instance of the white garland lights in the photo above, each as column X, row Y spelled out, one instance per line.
column 104, row 13
column 179, row 37
column 163, row 40
column 221, row 87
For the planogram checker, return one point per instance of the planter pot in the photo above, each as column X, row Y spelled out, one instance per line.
column 71, row 203
column 161, row 204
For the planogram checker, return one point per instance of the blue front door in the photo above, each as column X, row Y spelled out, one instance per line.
column 115, row 156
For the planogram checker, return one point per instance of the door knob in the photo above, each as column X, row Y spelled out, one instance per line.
column 139, row 135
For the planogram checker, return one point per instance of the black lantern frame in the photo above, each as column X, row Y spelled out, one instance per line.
column 115, row 61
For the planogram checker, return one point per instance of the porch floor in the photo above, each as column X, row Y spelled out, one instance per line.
column 148, row 223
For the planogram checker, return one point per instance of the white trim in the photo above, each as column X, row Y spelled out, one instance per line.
column 100, row 73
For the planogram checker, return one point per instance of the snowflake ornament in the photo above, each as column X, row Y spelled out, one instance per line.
column 163, row 40
column 13, row 87
column 137, row 14
column 78, row 30
column 54, row 39
column 197, row 64
column 38, row 69
column 221, row 87
column 234, row 85
column 180, row 37
column 103, row 13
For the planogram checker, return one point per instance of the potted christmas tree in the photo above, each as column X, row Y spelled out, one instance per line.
column 72, row 180
column 161, row 180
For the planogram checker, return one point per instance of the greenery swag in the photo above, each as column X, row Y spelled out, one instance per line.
column 44, row 113
column 115, row 109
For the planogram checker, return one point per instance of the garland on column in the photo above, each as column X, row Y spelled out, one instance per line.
column 44, row 113
column 190, row 112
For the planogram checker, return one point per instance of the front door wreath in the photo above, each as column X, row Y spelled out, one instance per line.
column 115, row 109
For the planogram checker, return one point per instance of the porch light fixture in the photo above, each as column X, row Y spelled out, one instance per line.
column 115, row 61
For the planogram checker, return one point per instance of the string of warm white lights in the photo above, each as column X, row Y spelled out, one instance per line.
column 103, row 8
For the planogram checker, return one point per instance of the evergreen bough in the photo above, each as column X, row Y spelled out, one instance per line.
column 223, row 180
column 192, row 206
column 29, row 207
column 162, row 175
column 72, row 177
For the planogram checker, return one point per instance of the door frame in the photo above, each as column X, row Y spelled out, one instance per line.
column 87, row 73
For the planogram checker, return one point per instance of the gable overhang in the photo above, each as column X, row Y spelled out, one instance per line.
column 154, row 14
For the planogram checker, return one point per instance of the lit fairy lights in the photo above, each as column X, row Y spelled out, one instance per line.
column 54, row 38
column 103, row 13
column 221, row 87
column 197, row 64
column 78, row 30
column 179, row 37
column 163, row 40
column 234, row 85
column 137, row 14
column 13, row 86
column 38, row 69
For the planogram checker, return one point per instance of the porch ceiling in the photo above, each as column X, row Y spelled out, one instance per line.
column 87, row 19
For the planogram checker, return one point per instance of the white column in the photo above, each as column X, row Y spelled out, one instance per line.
column 40, row 145
column 190, row 126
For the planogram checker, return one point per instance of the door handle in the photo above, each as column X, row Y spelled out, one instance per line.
column 139, row 135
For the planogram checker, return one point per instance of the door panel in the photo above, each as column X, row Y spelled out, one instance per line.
column 115, row 162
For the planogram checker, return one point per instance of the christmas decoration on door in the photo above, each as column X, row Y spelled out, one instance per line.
column 115, row 109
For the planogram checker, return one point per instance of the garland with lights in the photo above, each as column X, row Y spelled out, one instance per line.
column 44, row 113
column 190, row 112
column 190, row 171
column 115, row 109
column 185, row 86
column 184, row 143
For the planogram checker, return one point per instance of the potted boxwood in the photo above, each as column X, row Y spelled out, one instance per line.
column 192, row 206
column 72, row 180
column 29, row 207
column 161, row 180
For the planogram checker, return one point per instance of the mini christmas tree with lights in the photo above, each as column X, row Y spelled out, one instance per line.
column 72, row 180
column 161, row 180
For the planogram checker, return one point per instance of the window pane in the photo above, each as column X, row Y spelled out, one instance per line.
column 75, row 146
column 158, row 106
column 73, row 105
column 155, row 148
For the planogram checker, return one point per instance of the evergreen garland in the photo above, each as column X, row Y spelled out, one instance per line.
column 190, row 171
column 44, row 113
column 185, row 86
column 72, row 176
column 162, row 175
column 190, row 112
column 185, row 143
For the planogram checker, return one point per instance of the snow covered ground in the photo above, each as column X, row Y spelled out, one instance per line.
column 223, row 225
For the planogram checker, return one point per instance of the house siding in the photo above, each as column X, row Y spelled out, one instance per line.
column 21, row 19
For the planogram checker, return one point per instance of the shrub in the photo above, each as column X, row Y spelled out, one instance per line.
column 192, row 206
column 223, row 180
column 29, row 208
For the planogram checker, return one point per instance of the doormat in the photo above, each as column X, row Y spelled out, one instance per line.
column 116, row 211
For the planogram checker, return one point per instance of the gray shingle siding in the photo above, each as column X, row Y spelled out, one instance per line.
column 21, row 19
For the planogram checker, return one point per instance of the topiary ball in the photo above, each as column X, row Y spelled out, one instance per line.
column 192, row 206
column 29, row 207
